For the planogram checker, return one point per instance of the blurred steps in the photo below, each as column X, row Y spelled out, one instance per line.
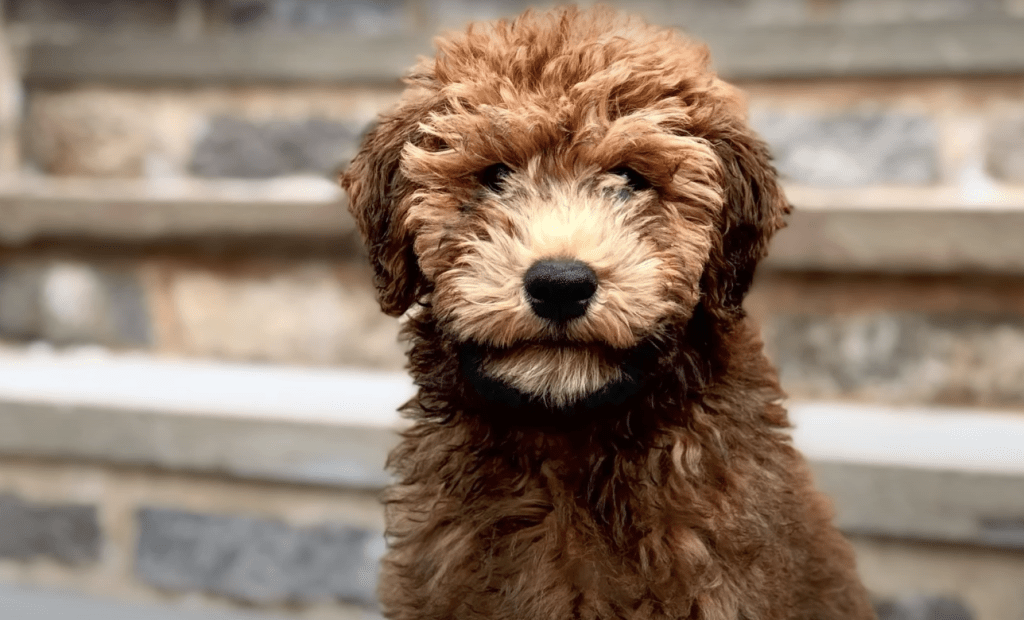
column 888, row 229
column 198, row 268
column 140, row 212
column 953, row 472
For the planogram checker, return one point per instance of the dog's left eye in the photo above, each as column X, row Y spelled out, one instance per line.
column 636, row 181
column 494, row 177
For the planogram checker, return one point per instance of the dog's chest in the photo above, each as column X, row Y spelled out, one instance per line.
column 553, row 554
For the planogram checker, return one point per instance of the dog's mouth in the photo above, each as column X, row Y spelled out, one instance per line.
column 555, row 378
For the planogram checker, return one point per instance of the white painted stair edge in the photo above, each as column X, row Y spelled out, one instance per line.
column 920, row 437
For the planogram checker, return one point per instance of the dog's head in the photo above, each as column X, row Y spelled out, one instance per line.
column 560, row 189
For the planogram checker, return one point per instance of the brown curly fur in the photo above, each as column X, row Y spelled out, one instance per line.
column 633, row 464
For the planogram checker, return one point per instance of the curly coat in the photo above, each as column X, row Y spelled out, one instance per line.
column 631, row 463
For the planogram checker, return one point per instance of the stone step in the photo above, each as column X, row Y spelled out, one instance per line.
column 94, row 378
column 892, row 294
column 887, row 229
column 742, row 49
column 918, row 437
column 147, row 211
column 20, row 603
column 927, row 473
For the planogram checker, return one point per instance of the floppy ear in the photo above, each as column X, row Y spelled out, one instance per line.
column 377, row 191
column 753, row 211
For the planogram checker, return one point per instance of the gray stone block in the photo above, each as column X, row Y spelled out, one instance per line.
column 257, row 560
column 922, row 607
column 875, row 11
column 83, row 303
column 692, row 15
column 360, row 16
column 129, row 320
column 20, row 312
column 457, row 13
column 853, row 149
column 105, row 14
column 66, row 532
column 697, row 15
column 900, row 357
column 245, row 149
column 1005, row 155
column 37, row 603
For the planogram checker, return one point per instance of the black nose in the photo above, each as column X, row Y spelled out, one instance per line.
column 560, row 290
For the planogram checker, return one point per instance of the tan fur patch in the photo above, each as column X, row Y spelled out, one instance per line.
column 648, row 257
column 482, row 295
column 556, row 375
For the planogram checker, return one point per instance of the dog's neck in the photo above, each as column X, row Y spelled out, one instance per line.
column 633, row 488
column 652, row 419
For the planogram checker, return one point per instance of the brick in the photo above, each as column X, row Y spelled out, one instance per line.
column 900, row 357
column 257, row 560
column 922, row 607
column 853, row 149
column 65, row 532
column 239, row 148
column 1005, row 157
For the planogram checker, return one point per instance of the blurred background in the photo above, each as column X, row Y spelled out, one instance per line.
column 197, row 390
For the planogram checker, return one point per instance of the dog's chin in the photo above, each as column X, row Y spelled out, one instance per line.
column 550, row 382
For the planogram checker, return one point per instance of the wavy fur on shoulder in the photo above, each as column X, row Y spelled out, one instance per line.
column 632, row 462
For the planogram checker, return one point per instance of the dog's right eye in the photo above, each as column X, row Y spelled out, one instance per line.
column 493, row 177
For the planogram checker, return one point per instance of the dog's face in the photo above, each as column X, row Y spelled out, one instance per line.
column 559, row 191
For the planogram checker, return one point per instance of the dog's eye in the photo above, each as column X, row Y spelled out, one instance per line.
column 493, row 177
column 636, row 181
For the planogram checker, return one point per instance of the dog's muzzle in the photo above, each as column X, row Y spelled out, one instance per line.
column 560, row 290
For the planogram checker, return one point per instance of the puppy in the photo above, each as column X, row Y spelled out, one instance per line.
column 568, row 209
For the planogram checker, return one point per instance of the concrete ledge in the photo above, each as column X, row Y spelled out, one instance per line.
column 805, row 51
column 901, row 240
column 887, row 230
column 929, row 474
column 21, row 603
column 284, row 424
column 972, row 508
column 951, row 475
column 848, row 50
column 148, row 211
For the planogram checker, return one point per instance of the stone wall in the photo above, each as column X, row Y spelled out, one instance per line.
column 257, row 132
column 910, row 140
column 162, row 538
column 854, row 133
column 907, row 339
column 305, row 553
